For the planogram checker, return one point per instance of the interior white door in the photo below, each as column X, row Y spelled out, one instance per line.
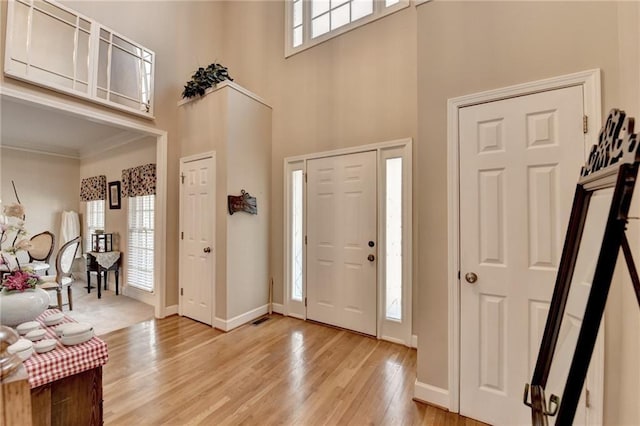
column 341, row 223
column 519, row 163
column 197, row 224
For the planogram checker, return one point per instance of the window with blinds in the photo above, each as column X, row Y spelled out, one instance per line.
column 95, row 220
column 140, row 242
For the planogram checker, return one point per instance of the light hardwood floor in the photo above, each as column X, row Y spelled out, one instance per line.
column 283, row 371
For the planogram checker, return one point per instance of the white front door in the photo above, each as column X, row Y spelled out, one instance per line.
column 520, row 160
column 197, row 224
column 341, row 230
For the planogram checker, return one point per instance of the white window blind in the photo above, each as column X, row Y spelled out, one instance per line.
column 95, row 220
column 140, row 242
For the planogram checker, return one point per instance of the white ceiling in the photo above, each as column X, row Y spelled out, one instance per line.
column 36, row 128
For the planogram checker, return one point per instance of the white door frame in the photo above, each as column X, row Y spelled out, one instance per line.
column 590, row 82
column 394, row 331
column 158, row 296
column 183, row 160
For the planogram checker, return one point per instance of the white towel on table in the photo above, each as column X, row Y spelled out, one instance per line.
column 70, row 228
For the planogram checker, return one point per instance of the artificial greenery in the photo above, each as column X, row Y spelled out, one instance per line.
column 205, row 78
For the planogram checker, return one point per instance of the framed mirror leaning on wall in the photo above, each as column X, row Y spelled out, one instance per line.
column 594, row 238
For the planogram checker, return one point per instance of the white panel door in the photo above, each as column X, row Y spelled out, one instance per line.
column 520, row 160
column 197, row 224
column 341, row 221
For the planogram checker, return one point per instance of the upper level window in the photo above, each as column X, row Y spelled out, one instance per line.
column 53, row 46
column 309, row 22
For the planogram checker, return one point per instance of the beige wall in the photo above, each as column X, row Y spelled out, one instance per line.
column 238, row 129
column 47, row 185
column 356, row 89
column 622, row 378
column 111, row 164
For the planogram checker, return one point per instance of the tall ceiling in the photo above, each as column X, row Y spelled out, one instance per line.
column 36, row 128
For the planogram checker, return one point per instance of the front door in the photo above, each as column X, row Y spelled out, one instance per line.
column 520, row 159
column 197, row 223
column 341, row 246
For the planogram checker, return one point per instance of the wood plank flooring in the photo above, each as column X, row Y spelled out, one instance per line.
column 285, row 371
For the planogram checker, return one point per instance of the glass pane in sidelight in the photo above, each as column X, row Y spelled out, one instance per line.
column 393, row 239
column 297, row 237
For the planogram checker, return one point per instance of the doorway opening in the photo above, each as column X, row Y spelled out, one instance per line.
column 54, row 112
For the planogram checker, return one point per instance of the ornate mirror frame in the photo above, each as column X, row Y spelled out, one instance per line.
column 613, row 163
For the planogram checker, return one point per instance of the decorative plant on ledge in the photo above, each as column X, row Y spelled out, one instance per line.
column 205, row 78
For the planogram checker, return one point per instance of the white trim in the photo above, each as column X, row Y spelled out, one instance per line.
column 420, row 2
column 432, row 395
column 277, row 308
column 181, row 268
column 396, row 331
column 590, row 83
column 414, row 341
column 294, row 308
column 40, row 152
column 171, row 310
column 103, row 117
column 237, row 321
column 379, row 12
column 219, row 86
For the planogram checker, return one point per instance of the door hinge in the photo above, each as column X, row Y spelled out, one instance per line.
column 182, row 235
column 181, row 291
column 305, row 177
column 587, row 396
column 182, row 177
column 585, row 124
column 305, row 302
column 305, row 239
column 458, row 274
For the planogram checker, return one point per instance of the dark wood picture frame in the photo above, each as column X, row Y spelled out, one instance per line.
column 613, row 163
column 114, row 195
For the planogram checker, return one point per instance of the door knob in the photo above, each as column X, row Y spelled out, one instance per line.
column 471, row 277
column 207, row 250
column 371, row 258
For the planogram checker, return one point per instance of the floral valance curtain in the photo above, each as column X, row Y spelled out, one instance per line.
column 139, row 181
column 93, row 188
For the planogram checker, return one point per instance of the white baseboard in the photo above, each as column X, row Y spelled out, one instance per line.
column 414, row 337
column 431, row 394
column 171, row 310
column 278, row 308
column 237, row 321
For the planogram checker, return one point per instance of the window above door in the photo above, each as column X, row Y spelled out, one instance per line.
column 310, row 22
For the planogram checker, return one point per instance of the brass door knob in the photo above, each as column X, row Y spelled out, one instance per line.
column 471, row 277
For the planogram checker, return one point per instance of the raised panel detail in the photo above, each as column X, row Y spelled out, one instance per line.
column 541, row 129
column 490, row 136
column 538, row 312
column 492, row 343
column 492, row 219
column 542, row 187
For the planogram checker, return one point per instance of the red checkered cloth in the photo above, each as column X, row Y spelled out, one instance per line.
column 64, row 361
